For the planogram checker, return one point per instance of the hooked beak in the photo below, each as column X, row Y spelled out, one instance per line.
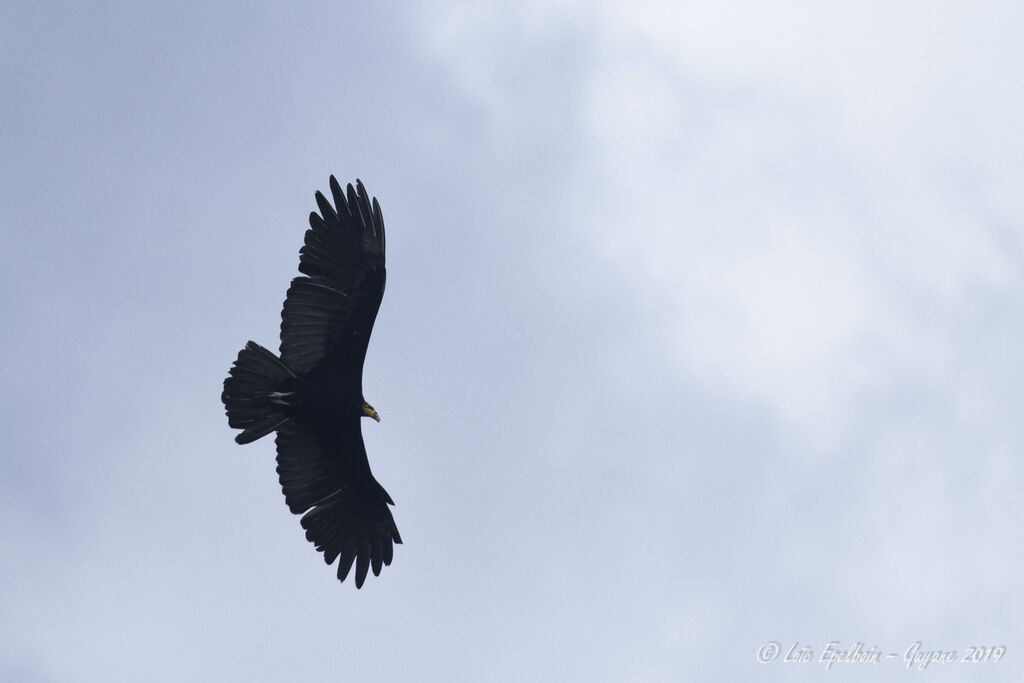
column 368, row 411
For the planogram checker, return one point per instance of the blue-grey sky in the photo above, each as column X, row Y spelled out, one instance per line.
column 703, row 329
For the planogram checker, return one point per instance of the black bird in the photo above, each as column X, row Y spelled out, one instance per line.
column 312, row 396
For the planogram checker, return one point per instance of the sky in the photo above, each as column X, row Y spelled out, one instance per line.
column 702, row 336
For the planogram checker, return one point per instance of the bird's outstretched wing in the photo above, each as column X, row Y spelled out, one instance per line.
column 326, row 322
column 346, row 512
column 329, row 311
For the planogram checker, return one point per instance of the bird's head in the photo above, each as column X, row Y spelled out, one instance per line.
column 368, row 411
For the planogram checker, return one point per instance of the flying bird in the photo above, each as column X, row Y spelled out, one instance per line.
column 312, row 395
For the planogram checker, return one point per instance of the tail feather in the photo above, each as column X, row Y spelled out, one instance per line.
column 256, row 393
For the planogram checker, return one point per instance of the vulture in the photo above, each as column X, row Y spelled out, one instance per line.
column 311, row 395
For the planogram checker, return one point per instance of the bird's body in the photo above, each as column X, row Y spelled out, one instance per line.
column 312, row 395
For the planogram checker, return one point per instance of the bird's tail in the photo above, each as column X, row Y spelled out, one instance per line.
column 257, row 392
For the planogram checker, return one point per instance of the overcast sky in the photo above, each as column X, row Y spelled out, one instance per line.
column 703, row 331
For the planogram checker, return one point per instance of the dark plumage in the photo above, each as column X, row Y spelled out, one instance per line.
column 312, row 396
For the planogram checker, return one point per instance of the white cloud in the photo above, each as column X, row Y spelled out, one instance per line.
column 762, row 171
